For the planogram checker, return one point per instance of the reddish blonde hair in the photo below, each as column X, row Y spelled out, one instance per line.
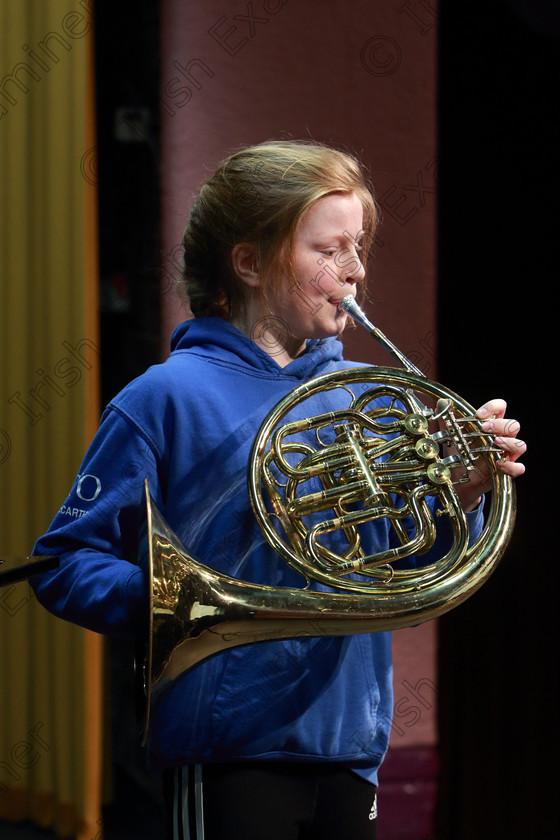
column 258, row 196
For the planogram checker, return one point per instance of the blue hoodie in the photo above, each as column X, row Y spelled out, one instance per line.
column 187, row 426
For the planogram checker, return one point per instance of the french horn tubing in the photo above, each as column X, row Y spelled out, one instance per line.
column 316, row 483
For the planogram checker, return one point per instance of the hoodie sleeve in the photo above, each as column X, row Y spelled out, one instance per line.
column 98, row 584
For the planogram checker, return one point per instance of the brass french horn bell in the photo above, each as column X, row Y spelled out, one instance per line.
column 316, row 484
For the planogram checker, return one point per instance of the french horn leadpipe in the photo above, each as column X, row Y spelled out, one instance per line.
column 349, row 305
column 401, row 437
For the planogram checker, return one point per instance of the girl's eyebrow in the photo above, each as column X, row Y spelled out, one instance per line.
column 344, row 237
column 356, row 238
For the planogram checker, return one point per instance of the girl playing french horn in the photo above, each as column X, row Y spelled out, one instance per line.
column 282, row 739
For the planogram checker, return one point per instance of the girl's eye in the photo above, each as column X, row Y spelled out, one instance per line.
column 329, row 252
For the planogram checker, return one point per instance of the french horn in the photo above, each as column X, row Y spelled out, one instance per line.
column 318, row 482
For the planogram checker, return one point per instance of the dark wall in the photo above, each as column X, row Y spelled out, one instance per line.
column 499, row 140
column 127, row 90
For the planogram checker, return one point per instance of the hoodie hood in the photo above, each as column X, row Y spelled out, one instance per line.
column 216, row 338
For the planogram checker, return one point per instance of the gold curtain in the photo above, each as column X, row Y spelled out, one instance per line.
column 50, row 671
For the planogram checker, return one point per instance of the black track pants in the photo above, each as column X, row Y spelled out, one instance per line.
column 269, row 801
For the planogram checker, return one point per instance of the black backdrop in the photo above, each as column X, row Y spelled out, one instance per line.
column 498, row 661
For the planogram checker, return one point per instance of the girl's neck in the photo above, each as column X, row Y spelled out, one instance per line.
column 269, row 332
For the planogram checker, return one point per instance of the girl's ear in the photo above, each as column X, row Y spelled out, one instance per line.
column 245, row 264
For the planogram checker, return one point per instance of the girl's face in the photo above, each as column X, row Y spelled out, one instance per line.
column 326, row 267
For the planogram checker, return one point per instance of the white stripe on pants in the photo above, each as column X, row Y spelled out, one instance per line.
column 188, row 811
